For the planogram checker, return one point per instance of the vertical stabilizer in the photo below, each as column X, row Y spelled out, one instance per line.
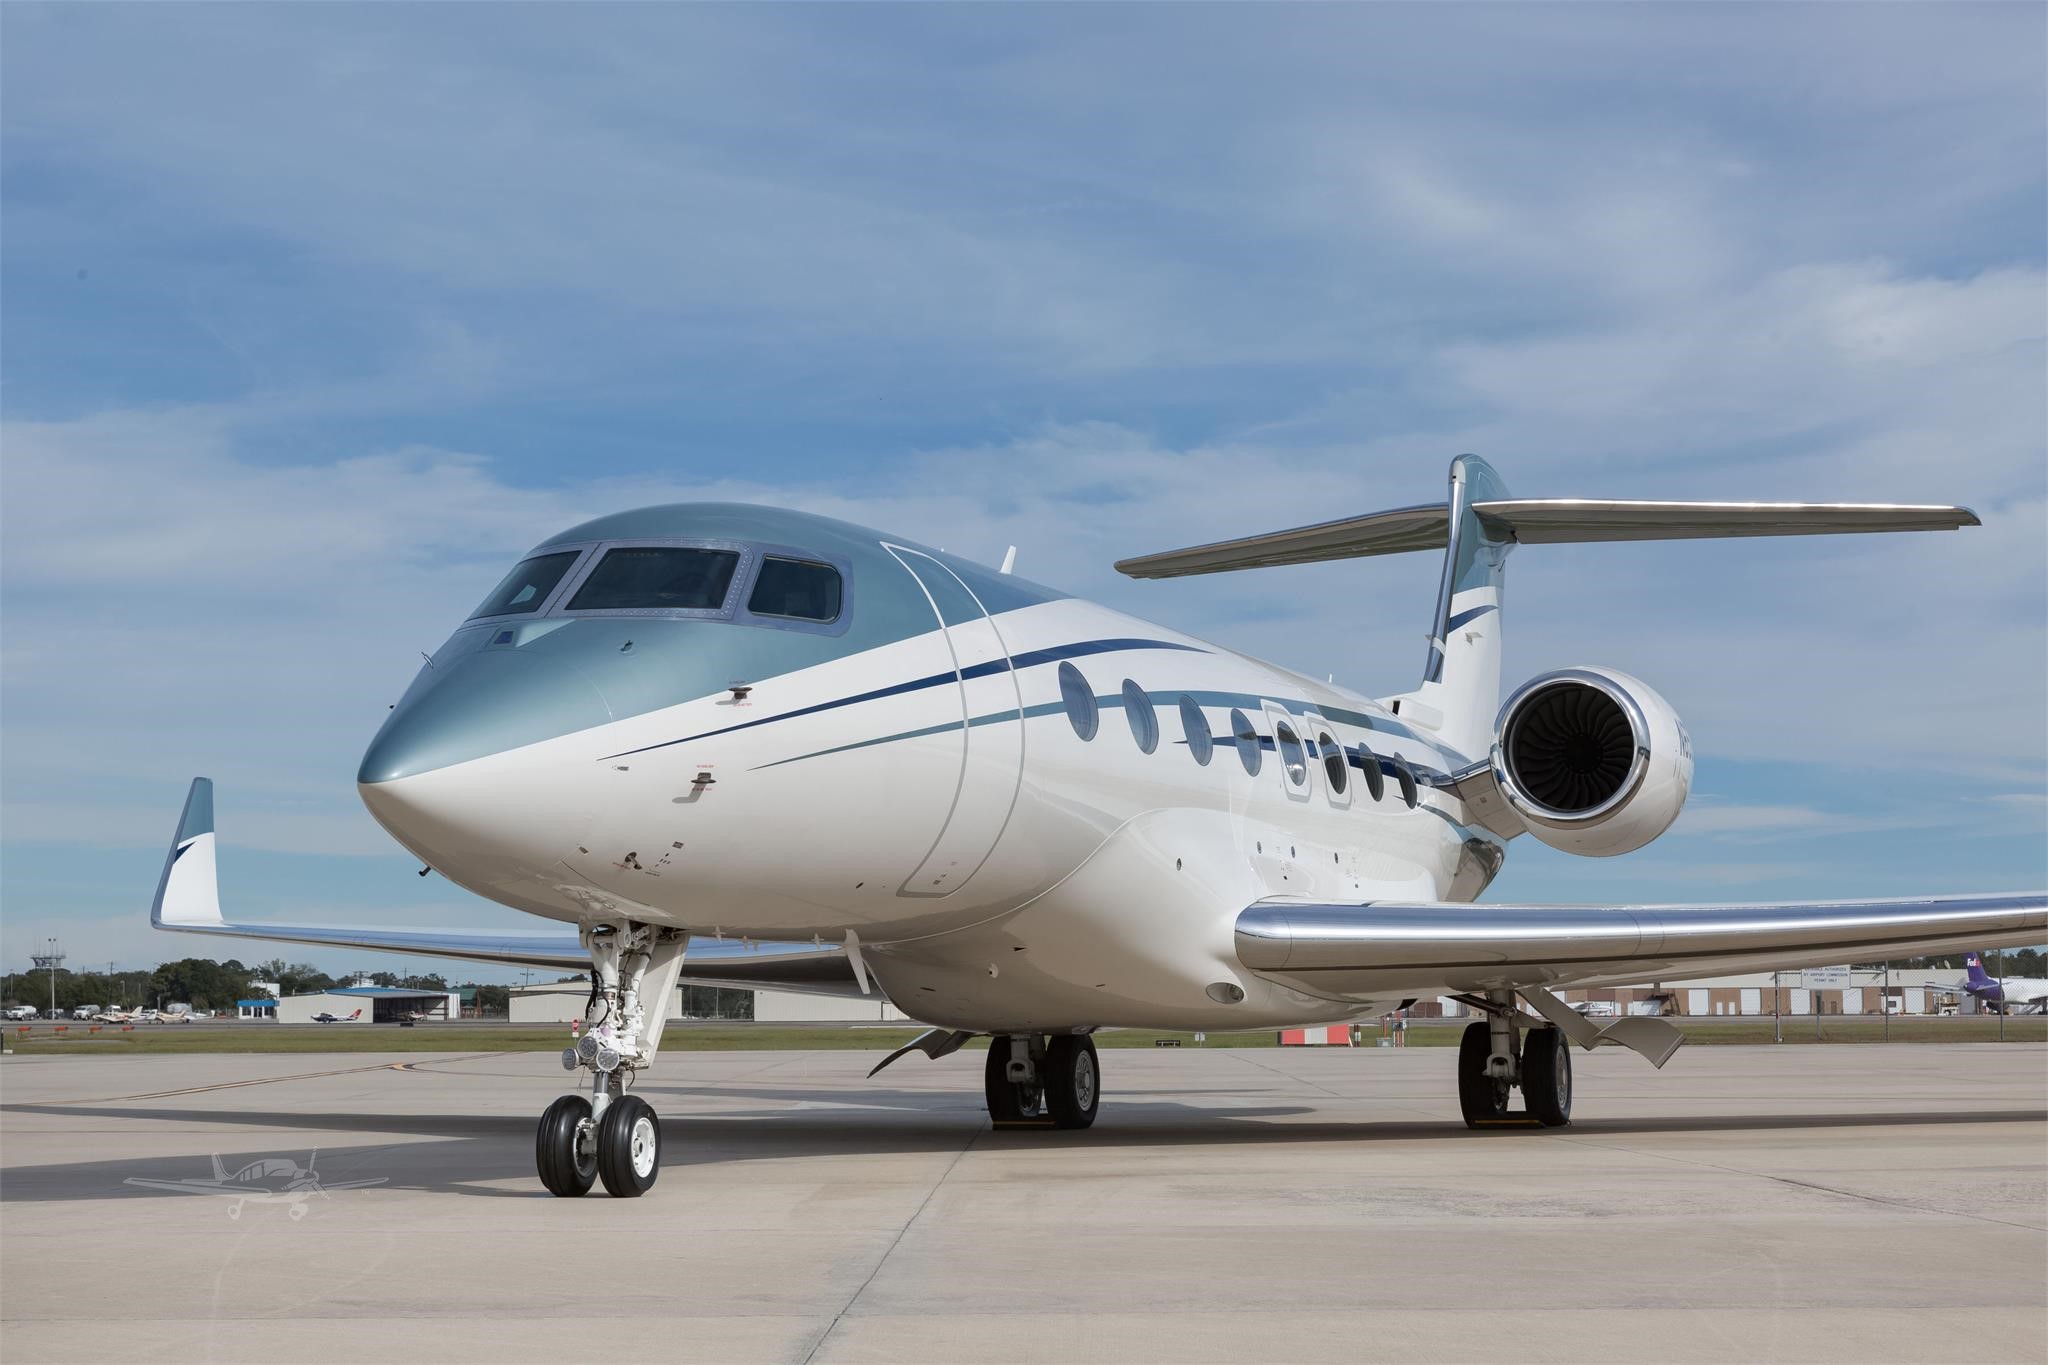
column 1461, row 679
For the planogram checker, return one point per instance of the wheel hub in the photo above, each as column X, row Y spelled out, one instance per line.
column 643, row 1146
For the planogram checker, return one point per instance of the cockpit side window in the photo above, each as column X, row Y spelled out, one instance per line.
column 797, row 588
column 528, row 585
column 658, row 578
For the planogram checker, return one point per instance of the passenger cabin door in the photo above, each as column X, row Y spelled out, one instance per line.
column 987, row 706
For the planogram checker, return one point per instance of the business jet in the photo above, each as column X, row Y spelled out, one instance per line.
column 743, row 746
column 2000, row 995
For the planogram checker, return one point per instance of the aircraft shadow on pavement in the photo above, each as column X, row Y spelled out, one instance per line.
column 476, row 1152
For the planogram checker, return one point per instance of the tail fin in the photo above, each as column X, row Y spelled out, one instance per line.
column 1978, row 978
column 1478, row 527
column 1461, row 676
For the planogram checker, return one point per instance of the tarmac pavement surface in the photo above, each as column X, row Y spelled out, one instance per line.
column 1808, row 1203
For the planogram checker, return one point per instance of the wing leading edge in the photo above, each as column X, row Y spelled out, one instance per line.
column 1375, row 950
column 188, row 902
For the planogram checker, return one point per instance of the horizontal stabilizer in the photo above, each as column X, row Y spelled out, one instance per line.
column 1545, row 521
column 188, row 901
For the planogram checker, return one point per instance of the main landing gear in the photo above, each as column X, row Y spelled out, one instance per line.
column 1036, row 1082
column 1493, row 1061
column 612, row 1136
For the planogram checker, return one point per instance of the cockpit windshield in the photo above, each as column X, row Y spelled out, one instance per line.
column 528, row 585
column 657, row 578
column 800, row 589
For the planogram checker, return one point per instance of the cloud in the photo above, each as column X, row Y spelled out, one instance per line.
column 316, row 319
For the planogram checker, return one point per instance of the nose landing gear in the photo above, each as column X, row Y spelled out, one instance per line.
column 1033, row 1082
column 1493, row 1061
column 612, row 1136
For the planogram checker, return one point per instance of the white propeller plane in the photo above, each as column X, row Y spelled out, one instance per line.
column 743, row 746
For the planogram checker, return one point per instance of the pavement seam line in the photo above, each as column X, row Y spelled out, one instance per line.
column 1800, row 1184
column 267, row 1080
column 894, row 1242
column 1290, row 1076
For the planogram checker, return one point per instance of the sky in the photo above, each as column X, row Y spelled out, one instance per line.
column 312, row 318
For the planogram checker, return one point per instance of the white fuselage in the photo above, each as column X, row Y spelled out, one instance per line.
column 1002, row 874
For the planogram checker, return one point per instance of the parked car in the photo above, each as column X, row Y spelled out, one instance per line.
column 19, row 1012
column 84, row 1011
column 57, row 1014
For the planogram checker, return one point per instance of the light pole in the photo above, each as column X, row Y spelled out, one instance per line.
column 48, row 963
column 1777, row 1009
column 1886, row 1002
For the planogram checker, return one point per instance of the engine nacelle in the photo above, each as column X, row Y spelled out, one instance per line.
column 1593, row 761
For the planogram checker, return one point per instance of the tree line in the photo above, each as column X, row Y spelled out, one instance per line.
column 208, row 985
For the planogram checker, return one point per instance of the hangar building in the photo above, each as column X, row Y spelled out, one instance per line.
column 558, row 1002
column 369, row 1005
column 1834, row 990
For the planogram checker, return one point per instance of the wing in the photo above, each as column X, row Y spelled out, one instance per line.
column 199, row 1187
column 1377, row 950
column 188, row 902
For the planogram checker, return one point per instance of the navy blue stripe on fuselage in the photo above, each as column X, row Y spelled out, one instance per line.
column 1356, row 755
column 1028, row 659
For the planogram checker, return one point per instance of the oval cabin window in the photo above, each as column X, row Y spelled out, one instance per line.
column 1246, row 736
column 1079, row 700
column 1194, row 723
column 1333, row 762
column 1293, row 757
column 1144, row 720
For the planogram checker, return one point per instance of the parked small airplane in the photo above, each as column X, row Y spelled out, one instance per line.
column 737, row 745
column 325, row 1018
column 2001, row 995
column 272, row 1180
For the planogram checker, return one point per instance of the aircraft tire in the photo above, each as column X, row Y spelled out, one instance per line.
column 1073, row 1081
column 1008, row 1102
column 628, row 1147
column 566, row 1172
column 1547, row 1077
column 1480, row 1098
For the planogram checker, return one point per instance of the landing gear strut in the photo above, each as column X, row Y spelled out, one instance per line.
column 1042, row 1083
column 1493, row 1062
column 612, row 1136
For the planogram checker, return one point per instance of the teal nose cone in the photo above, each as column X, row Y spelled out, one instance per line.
column 481, row 704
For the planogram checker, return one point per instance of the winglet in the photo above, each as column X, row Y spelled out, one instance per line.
column 188, row 892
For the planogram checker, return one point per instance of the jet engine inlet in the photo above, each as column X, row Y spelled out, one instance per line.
column 1593, row 761
column 1570, row 746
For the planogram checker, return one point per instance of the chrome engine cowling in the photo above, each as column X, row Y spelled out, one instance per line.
column 1593, row 761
